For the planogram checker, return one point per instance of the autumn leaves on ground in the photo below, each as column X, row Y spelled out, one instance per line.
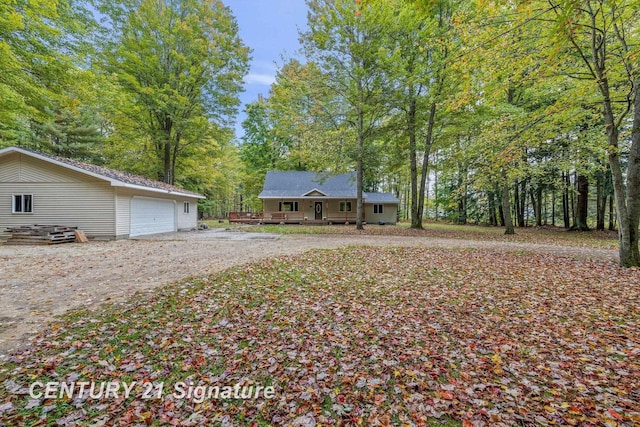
column 358, row 336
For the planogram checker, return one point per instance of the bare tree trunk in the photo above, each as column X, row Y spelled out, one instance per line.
column 506, row 208
column 360, row 173
column 632, row 258
column 566, row 181
column 601, row 201
column 536, row 200
column 580, row 221
column 553, row 206
column 492, row 209
column 627, row 202
column 428, row 142
column 500, row 208
column 612, row 222
column 416, row 220
column 522, row 222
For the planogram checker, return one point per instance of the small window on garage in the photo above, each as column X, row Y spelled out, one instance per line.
column 186, row 207
column 22, row 203
column 378, row 209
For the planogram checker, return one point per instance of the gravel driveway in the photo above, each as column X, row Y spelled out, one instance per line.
column 40, row 282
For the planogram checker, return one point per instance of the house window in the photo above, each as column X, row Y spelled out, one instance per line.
column 378, row 209
column 288, row 206
column 22, row 203
column 345, row 206
column 186, row 207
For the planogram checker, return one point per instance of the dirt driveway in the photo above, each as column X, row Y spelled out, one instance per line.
column 40, row 282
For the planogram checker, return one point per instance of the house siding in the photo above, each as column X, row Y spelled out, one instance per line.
column 389, row 213
column 331, row 209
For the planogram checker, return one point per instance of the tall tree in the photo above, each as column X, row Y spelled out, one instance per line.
column 344, row 40
column 257, row 151
column 419, row 40
column 181, row 63
column 41, row 42
column 305, row 118
column 602, row 35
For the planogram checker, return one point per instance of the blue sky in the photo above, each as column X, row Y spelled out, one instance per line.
column 270, row 28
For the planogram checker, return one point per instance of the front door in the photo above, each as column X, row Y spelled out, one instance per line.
column 319, row 210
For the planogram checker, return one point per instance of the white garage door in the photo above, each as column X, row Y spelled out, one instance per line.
column 151, row 216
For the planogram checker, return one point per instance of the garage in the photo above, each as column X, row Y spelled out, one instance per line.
column 151, row 216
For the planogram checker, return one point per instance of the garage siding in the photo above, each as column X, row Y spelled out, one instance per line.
column 187, row 221
column 123, row 213
column 17, row 167
column 65, row 197
column 88, row 206
column 60, row 196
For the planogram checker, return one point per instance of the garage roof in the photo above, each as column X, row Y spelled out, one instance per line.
column 115, row 177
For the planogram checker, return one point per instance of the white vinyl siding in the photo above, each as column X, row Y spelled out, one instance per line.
column 123, row 213
column 60, row 196
column 188, row 221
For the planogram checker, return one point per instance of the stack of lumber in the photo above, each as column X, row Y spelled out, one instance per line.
column 41, row 235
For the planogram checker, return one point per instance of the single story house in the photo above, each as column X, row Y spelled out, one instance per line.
column 298, row 196
column 37, row 188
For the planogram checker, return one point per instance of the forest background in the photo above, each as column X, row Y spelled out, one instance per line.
column 503, row 113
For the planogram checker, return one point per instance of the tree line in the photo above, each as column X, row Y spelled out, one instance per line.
column 146, row 86
column 499, row 112
column 512, row 113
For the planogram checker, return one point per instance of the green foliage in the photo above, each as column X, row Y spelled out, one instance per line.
column 41, row 43
column 180, row 65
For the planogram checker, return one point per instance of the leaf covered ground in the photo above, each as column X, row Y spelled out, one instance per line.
column 358, row 336
column 444, row 230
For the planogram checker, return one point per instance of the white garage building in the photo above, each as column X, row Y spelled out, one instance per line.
column 38, row 188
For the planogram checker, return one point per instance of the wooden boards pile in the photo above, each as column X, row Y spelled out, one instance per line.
column 41, row 235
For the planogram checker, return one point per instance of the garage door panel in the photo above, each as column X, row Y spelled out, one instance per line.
column 152, row 216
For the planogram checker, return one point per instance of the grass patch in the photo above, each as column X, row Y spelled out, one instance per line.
column 444, row 230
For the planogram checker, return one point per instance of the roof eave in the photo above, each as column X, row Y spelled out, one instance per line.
column 307, row 197
column 116, row 183
column 311, row 191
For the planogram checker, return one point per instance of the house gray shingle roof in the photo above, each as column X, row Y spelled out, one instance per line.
column 381, row 198
column 297, row 184
column 110, row 174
